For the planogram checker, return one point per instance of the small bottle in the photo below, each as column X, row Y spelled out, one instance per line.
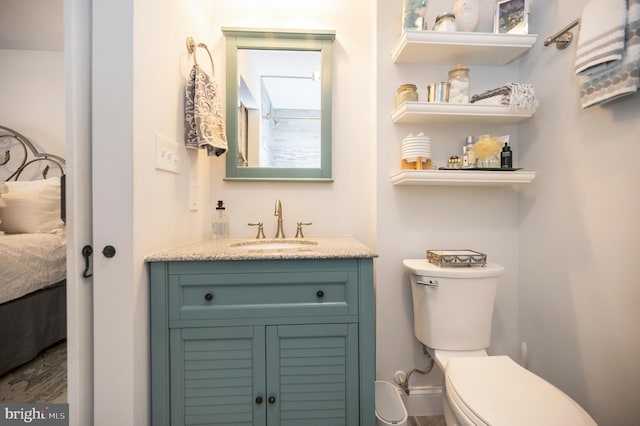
column 220, row 222
column 468, row 156
column 506, row 160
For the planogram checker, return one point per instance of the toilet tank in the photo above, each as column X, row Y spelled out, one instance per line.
column 453, row 307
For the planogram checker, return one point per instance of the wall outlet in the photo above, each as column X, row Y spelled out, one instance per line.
column 193, row 198
column 167, row 158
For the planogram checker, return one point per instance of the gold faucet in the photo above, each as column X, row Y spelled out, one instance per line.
column 278, row 212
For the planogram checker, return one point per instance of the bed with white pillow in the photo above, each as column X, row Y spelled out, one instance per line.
column 32, row 251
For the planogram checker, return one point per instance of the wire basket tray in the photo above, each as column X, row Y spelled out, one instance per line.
column 456, row 258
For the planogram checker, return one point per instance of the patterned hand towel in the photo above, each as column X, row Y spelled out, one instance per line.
column 601, row 36
column 204, row 124
column 622, row 79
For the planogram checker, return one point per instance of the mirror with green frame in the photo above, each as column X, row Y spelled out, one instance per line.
column 279, row 104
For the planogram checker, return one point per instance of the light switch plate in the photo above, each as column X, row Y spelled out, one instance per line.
column 167, row 158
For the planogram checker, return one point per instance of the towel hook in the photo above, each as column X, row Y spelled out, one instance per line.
column 191, row 48
column 562, row 38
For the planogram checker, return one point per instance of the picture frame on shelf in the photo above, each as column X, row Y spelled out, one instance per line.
column 511, row 17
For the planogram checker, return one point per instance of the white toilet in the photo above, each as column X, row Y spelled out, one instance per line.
column 452, row 312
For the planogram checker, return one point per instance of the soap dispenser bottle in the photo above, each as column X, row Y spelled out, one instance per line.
column 506, row 160
column 220, row 222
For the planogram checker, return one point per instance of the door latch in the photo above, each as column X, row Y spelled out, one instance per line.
column 87, row 251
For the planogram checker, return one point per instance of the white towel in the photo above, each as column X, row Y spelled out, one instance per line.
column 204, row 124
column 601, row 36
column 621, row 79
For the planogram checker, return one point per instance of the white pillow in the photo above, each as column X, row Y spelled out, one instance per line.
column 31, row 206
column 3, row 190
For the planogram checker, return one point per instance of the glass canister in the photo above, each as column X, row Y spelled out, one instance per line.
column 459, row 84
column 445, row 22
column 407, row 93
column 414, row 15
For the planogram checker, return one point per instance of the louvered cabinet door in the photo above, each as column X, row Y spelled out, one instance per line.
column 312, row 375
column 218, row 376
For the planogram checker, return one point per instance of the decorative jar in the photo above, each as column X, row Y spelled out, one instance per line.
column 407, row 93
column 445, row 22
column 459, row 84
column 467, row 14
column 414, row 15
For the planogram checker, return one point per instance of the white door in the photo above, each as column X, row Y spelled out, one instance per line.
column 98, row 61
column 114, row 298
column 77, row 63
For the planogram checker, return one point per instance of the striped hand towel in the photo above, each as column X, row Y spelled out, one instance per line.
column 601, row 36
column 621, row 79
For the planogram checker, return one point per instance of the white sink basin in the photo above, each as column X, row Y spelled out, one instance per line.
column 273, row 244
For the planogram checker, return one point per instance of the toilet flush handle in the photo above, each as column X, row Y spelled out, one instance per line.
column 430, row 283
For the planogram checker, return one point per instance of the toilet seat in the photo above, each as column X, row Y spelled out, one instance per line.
column 495, row 391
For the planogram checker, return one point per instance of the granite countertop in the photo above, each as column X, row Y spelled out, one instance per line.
column 246, row 249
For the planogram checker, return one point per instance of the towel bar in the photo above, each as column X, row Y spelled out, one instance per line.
column 562, row 38
column 191, row 47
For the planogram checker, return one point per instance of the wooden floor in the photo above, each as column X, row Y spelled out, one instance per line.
column 42, row 380
column 427, row 421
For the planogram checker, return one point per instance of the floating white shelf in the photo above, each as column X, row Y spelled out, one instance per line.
column 461, row 178
column 437, row 47
column 427, row 112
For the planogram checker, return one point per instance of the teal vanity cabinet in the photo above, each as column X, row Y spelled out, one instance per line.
column 262, row 342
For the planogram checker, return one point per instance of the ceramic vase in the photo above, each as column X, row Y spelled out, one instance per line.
column 467, row 14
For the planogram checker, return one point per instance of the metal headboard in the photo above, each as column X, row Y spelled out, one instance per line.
column 20, row 153
column 16, row 145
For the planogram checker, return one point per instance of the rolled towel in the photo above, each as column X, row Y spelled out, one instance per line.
column 518, row 96
column 601, row 36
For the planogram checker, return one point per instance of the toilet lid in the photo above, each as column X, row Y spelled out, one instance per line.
column 497, row 391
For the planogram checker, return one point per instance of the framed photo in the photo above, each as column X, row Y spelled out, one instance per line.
column 511, row 17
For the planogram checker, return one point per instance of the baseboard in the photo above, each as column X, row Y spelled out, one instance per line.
column 423, row 400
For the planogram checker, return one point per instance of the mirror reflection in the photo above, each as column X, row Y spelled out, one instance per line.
column 279, row 108
column 278, row 104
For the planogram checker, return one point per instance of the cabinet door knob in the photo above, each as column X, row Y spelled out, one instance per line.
column 208, row 297
column 259, row 400
column 320, row 293
column 272, row 400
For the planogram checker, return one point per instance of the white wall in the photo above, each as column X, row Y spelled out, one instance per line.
column 346, row 205
column 413, row 219
column 32, row 101
column 579, row 294
column 162, row 216
column 138, row 88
